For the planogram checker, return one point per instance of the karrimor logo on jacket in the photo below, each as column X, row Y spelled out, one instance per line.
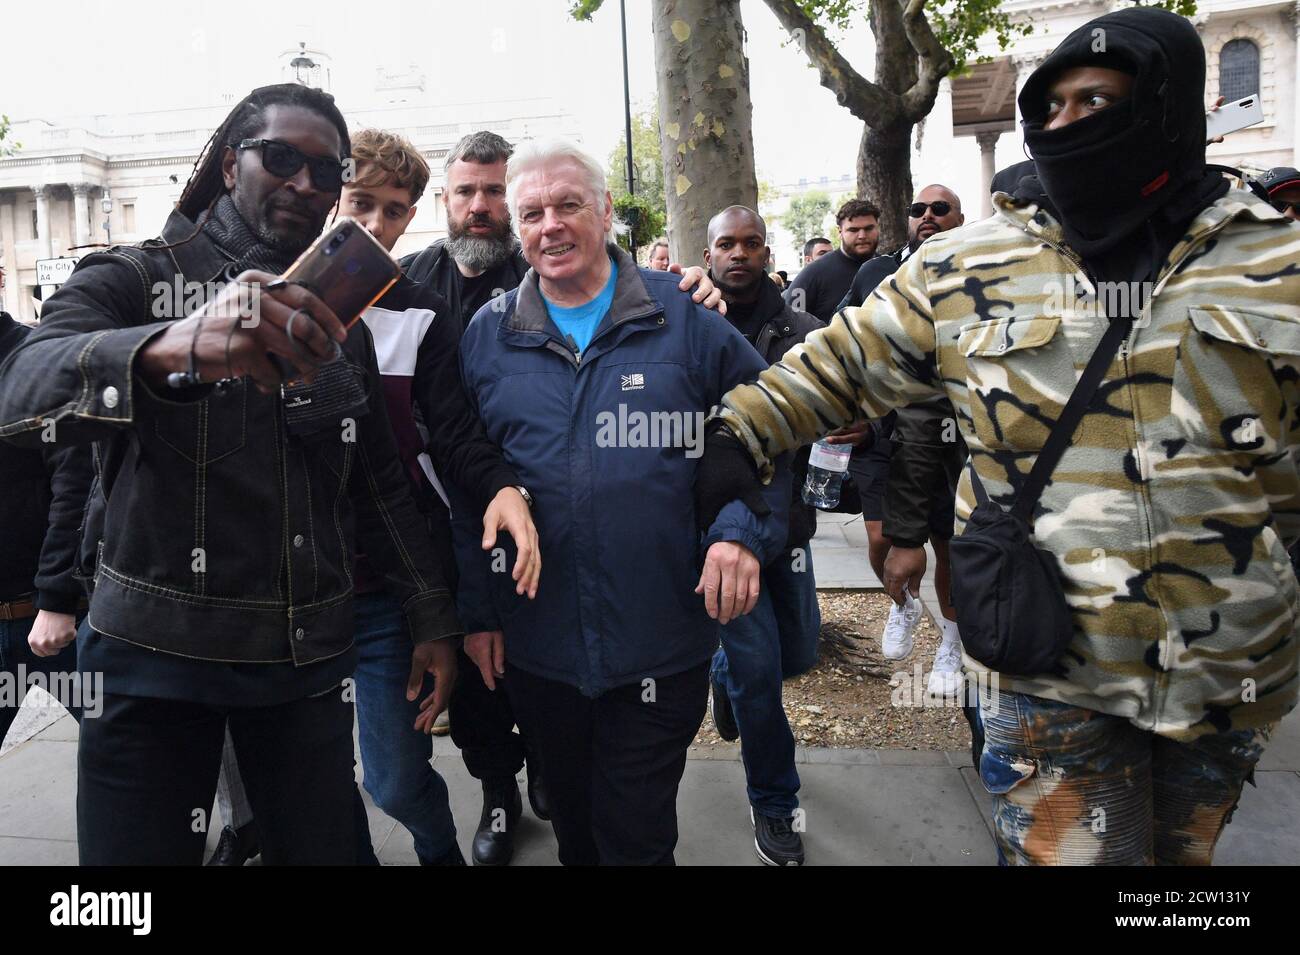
column 633, row 382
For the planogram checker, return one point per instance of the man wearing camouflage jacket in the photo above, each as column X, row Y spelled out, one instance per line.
column 1170, row 512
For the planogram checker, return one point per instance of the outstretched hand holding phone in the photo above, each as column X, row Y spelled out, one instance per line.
column 222, row 339
column 275, row 328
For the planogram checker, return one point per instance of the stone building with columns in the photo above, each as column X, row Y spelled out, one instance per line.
column 53, row 190
column 1251, row 46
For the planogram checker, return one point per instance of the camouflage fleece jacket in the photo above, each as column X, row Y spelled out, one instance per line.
column 1171, row 512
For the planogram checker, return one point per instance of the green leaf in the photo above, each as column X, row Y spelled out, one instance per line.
column 583, row 9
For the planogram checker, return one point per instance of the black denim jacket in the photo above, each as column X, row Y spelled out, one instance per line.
column 218, row 535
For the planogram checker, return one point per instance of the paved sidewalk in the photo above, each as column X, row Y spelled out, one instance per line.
column 895, row 807
column 891, row 807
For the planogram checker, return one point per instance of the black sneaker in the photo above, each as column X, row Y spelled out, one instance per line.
column 774, row 840
column 236, row 846
column 724, row 720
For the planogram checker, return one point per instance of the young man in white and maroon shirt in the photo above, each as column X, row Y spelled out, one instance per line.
column 421, row 379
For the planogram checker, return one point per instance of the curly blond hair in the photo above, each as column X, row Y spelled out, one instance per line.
column 389, row 159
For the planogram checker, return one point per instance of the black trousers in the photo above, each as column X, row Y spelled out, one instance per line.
column 613, row 764
column 147, row 774
column 483, row 724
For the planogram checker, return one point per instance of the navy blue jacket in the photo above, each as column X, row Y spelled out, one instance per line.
column 614, row 507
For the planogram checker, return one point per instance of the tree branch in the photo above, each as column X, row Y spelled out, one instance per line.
column 936, row 62
column 864, row 99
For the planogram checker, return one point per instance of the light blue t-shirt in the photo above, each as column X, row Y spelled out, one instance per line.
column 581, row 321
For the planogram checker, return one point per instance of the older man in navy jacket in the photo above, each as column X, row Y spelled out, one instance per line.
column 595, row 378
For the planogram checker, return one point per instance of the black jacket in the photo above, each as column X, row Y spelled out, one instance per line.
column 218, row 535
column 435, row 266
column 928, row 450
column 820, row 284
column 780, row 328
column 870, row 274
column 457, row 445
column 41, row 508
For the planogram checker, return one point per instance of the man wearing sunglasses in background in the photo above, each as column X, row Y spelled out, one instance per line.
column 907, row 477
column 232, row 504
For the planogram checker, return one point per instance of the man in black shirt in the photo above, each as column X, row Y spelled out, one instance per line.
column 778, row 638
column 477, row 261
column 818, row 288
column 908, row 475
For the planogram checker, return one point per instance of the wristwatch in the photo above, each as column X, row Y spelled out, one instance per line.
column 523, row 492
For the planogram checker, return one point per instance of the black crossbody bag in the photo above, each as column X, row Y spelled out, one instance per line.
column 1010, row 605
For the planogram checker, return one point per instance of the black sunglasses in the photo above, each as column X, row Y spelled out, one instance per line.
column 941, row 208
column 281, row 159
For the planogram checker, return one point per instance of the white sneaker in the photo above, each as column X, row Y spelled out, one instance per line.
column 897, row 641
column 945, row 675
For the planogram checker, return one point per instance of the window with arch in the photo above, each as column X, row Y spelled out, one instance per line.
column 1238, row 69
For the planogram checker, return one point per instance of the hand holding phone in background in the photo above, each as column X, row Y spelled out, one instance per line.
column 1222, row 118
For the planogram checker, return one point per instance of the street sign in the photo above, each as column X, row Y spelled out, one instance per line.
column 55, row 271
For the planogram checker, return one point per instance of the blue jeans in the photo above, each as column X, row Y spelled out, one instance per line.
column 776, row 640
column 395, row 757
column 14, row 652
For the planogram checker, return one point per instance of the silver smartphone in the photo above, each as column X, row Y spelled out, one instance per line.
column 1231, row 117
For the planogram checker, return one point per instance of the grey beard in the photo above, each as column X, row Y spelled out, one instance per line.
column 479, row 253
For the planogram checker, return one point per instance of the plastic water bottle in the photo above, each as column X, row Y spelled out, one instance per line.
column 827, row 465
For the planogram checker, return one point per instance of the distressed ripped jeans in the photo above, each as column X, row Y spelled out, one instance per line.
column 1073, row 786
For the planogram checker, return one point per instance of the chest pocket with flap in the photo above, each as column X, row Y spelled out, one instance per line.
column 1020, row 372
column 1230, row 378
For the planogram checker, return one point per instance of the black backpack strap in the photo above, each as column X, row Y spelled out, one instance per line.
column 1063, row 431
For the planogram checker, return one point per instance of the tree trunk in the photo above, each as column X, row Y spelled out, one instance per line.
column 705, row 118
column 884, row 155
column 885, row 177
column 910, row 64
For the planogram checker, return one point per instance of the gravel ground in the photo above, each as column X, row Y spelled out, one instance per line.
column 853, row 704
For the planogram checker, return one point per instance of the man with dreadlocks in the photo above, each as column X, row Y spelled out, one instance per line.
column 231, row 503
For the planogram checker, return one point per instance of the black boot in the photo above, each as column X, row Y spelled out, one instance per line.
column 494, row 841
column 236, row 846
column 537, row 795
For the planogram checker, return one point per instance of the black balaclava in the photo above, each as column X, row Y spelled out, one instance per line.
column 1108, row 175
